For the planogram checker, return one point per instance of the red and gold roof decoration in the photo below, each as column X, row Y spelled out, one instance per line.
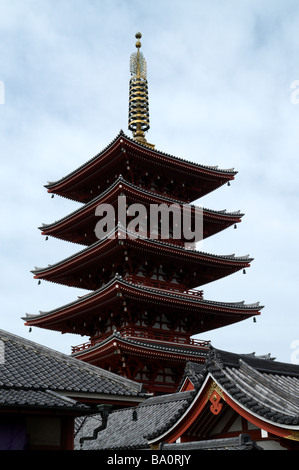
column 231, row 386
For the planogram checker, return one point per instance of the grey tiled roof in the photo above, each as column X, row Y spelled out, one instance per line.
column 261, row 386
column 179, row 349
column 242, row 442
column 265, row 387
column 125, row 432
column 194, row 372
column 34, row 375
column 13, row 397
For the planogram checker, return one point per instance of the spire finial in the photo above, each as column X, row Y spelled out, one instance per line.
column 138, row 43
column 138, row 100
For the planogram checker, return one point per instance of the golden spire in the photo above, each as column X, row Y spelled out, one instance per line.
column 138, row 99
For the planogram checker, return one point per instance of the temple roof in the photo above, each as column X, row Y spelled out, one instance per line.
column 118, row 289
column 34, row 375
column 265, row 387
column 242, row 442
column 119, row 282
column 84, row 217
column 125, row 432
column 159, row 348
column 71, row 185
column 166, row 252
column 264, row 391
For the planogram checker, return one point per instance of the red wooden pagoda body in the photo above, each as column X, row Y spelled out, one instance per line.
column 144, row 300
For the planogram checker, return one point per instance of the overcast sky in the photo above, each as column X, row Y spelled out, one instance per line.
column 220, row 79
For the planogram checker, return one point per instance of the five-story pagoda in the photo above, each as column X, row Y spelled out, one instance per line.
column 145, row 301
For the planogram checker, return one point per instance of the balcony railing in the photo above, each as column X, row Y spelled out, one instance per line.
column 171, row 240
column 143, row 334
column 163, row 285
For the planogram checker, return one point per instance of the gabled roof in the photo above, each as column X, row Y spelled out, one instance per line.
column 263, row 391
column 32, row 375
column 263, row 387
column 90, row 304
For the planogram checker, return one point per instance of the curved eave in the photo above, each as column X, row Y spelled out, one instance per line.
column 124, row 142
column 88, row 256
column 157, row 349
column 196, row 407
column 281, row 430
column 119, row 289
column 81, row 216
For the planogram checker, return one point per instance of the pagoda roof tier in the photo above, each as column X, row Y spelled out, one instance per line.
column 134, row 345
column 126, row 156
column 119, row 350
column 131, row 337
column 77, row 316
column 78, row 227
column 119, row 253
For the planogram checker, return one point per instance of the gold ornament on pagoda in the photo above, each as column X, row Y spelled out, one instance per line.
column 139, row 122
